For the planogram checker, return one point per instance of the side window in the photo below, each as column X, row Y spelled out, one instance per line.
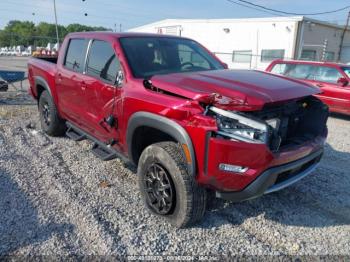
column 75, row 55
column 268, row 55
column 102, row 62
column 279, row 69
column 327, row 74
column 188, row 55
column 301, row 71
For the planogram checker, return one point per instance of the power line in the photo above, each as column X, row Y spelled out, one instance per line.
column 290, row 13
column 250, row 7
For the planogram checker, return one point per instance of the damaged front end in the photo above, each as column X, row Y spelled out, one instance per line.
column 291, row 123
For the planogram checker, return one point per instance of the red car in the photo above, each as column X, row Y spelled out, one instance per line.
column 332, row 78
column 170, row 107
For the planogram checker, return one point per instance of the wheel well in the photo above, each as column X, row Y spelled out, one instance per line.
column 143, row 137
column 40, row 89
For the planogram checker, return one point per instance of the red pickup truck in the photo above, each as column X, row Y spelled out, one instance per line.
column 171, row 108
column 332, row 78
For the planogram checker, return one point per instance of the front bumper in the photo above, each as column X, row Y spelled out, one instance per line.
column 275, row 178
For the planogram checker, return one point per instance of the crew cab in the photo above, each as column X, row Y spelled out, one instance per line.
column 332, row 78
column 191, row 126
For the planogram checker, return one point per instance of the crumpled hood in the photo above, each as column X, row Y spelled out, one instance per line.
column 243, row 87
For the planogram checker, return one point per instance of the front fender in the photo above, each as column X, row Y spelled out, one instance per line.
column 165, row 125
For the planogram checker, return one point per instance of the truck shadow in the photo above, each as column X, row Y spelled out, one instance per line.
column 320, row 200
column 19, row 221
column 340, row 116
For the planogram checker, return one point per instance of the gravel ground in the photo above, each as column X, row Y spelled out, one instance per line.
column 56, row 198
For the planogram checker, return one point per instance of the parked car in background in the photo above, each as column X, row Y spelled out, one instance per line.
column 332, row 78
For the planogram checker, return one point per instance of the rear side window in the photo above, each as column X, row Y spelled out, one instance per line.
column 103, row 62
column 75, row 56
column 279, row 69
column 299, row 71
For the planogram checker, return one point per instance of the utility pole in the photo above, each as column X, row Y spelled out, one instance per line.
column 120, row 27
column 343, row 36
column 58, row 39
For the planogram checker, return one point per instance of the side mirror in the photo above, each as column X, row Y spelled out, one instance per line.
column 225, row 65
column 342, row 81
column 119, row 79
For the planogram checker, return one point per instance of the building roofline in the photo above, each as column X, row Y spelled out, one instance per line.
column 247, row 20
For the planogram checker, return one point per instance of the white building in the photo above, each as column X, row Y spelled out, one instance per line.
column 255, row 42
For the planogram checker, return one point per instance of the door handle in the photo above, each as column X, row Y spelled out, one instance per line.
column 83, row 85
column 319, row 85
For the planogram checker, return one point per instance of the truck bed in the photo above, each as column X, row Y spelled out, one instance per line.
column 51, row 59
column 44, row 68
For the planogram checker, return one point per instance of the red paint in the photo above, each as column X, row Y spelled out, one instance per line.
column 86, row 101
column 335, row 95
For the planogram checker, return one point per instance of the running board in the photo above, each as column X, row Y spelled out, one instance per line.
column 103, row 152
column 74, row 134
column 99, row 149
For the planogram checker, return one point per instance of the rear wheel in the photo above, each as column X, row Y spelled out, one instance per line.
column 166, row 186
column 50, row 121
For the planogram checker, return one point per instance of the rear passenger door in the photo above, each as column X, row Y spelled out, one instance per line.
column 70, row 82
column 102, row 97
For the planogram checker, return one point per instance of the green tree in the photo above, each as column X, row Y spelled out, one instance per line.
column 27, row 33
column 17, row 33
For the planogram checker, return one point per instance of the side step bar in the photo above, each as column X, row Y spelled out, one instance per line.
column 99, row 149
column 74, row 135
column 103, row 152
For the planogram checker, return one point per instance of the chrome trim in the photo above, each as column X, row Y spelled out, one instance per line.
column 292, row 180
column 239, row 138
column 86, row 56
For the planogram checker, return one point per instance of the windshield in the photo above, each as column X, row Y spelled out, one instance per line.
column 346, row 71
column 148, row 56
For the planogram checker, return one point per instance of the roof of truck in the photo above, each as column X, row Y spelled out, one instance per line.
column 118, row 35
column 308, row 62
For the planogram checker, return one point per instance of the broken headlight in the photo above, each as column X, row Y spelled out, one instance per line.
column 238, row 127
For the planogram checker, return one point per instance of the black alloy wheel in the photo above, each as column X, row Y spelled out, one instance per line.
column 159, row 189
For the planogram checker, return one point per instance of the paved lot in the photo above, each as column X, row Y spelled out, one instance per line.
column 57, row 198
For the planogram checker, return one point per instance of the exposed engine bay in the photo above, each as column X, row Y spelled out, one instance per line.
column 278, row 126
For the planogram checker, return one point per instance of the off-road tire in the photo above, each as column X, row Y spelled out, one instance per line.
column 190, row 199
column 56, row 126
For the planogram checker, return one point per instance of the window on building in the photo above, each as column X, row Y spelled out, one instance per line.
column 327, row 74
column 102, row 62
column 75, row 56
column 268, row 55
column 309, row 55
column 242, row 56
column 329, row 56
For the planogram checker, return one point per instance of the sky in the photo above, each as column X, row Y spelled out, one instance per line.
column 133, row 13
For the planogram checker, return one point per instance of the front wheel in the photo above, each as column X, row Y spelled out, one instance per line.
column 166, row 186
